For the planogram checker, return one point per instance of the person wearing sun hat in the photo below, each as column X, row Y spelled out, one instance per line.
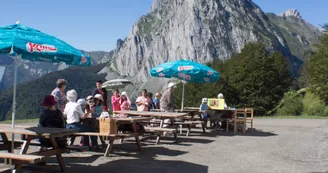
column 53, row 118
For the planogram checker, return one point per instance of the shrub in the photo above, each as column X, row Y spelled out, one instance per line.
column 292, row 106
column 314, row 106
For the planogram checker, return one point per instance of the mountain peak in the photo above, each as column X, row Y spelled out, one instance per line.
column 291, row 12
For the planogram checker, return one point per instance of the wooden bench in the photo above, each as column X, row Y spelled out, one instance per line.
column 189, row 124
column 111, row 138
column 19, row 159
column 160, row 131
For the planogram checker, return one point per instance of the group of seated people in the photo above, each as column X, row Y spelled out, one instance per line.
column 73, row 112
column 65, row 111
column 214, row 114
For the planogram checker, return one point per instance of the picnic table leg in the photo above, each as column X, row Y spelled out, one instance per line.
column 58, row 155
column 6, row 141
column 160, row 133
column 189, row 129
column 109, row 147
column 176, row 128
column 25, row 146
column 72, row 140
column 180, row 126
column 235, row 127
column 121, row 140
column 7, row 144
column 137, row 137
column 103, row 143
column 17, row 168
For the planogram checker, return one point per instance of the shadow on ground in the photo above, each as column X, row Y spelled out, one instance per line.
column 127, row 166
column 144, row 163
column 254, row 132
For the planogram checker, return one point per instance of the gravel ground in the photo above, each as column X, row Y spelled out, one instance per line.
column 276, row 145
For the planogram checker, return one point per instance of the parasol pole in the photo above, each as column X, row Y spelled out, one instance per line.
column 183, row 90
column 14, row 102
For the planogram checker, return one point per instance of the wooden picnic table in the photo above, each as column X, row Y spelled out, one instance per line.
column 32, row 133
column 112, row 137
column 153, row 114
column 191, row 108
column 161, row 130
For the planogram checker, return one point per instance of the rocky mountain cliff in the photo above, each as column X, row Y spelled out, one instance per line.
column 206, row 30
column 298, row 33
column 200, row 30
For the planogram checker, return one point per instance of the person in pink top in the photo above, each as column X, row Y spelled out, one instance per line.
column 143, row 101
column 125, row 103
column 116, row 101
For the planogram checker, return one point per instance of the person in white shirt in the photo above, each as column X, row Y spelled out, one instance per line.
column 220, row 96
column 73, row 113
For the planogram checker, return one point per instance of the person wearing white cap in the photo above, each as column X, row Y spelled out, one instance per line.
column 82, row 103
column 98, row 108
column 203, row 109
column 220, row 96
column 166, row 101
column 73, row 112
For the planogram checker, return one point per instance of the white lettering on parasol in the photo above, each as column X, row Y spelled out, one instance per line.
column 159, row 69
column 184, row 76
column 189, row 67
column 210, row 72
column 32, row 47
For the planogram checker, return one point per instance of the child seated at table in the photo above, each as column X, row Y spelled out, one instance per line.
column 204, row 110
column 74, row 114
column 52, row 118
column 96, row 105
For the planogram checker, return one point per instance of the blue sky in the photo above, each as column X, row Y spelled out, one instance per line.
column 97, row 24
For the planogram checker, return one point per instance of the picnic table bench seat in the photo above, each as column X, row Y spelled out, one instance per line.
column 190, row 124
column 119, row 135
column 191, row 118
column 160, row 131
column 19, row 159
column 110, row 138
column 25, row 158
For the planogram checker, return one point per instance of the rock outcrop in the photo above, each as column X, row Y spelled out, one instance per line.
column 291, row 13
